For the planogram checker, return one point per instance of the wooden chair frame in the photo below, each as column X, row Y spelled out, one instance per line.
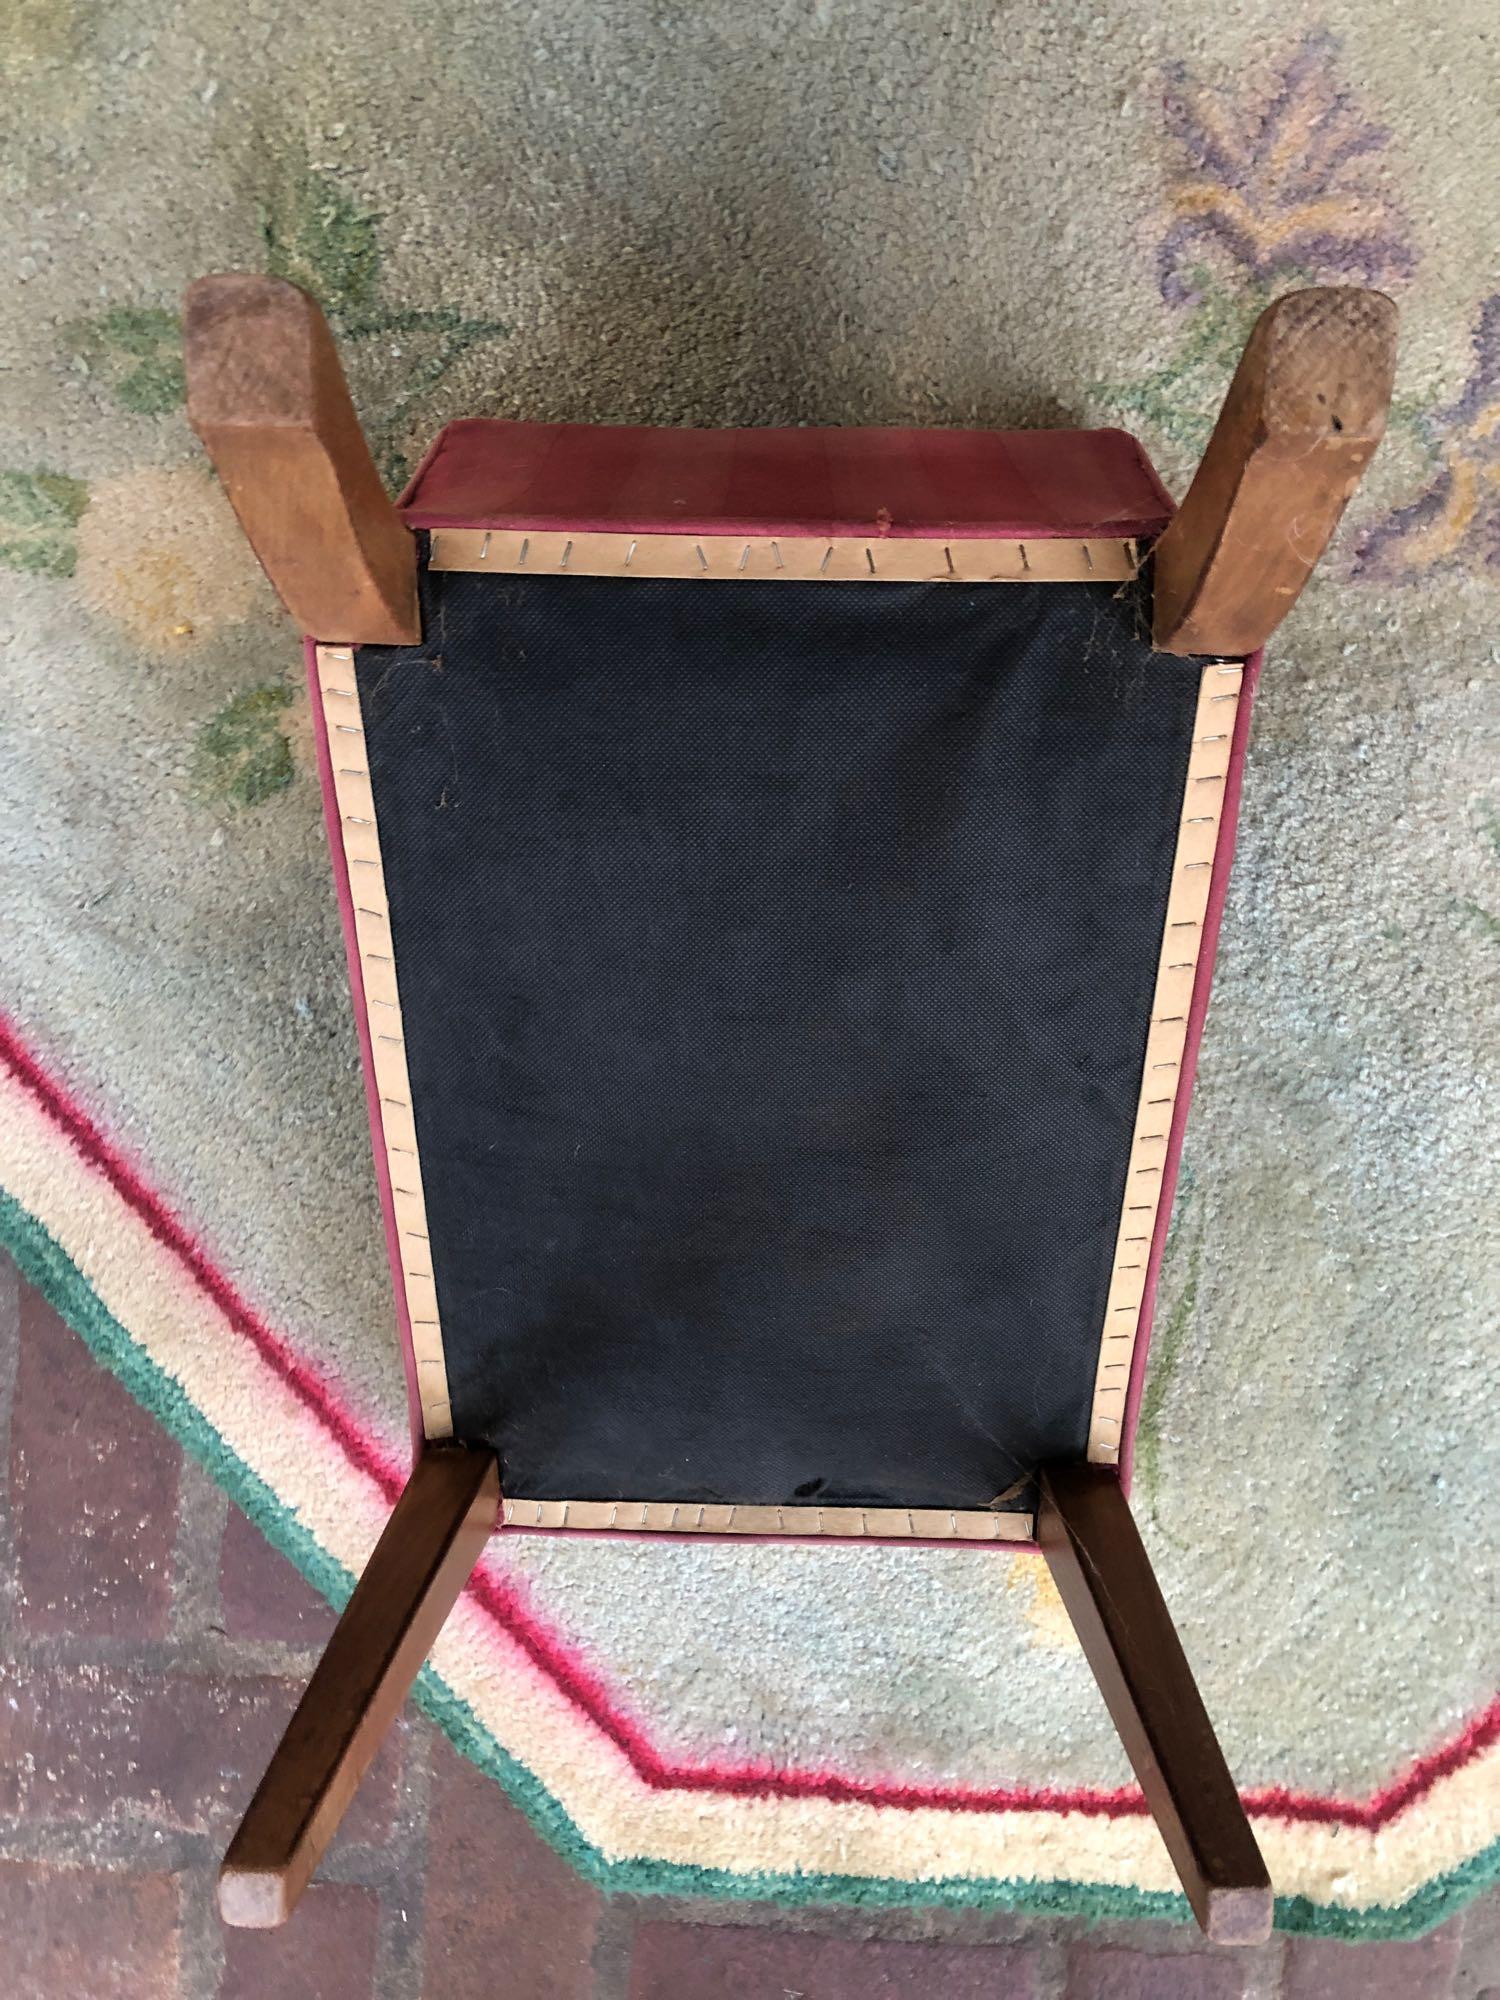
column 266, row 394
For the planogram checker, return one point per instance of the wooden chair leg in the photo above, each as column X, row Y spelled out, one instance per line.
column 1086, row 1532
column 268, row 398
column 420, row 1565
column 1304, row 414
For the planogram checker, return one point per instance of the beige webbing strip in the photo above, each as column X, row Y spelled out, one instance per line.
column 844, row 559
column 372, row 930
column 1177, row 969
column 688, row 1517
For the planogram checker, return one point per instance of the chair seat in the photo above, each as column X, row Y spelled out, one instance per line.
column 775, row 965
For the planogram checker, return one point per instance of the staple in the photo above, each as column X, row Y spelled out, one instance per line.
column 1182, row 964
column 424, row 1322
column 1137, row 1239
column 348, row 729
column 744, row 555
column 1213, row 698
column 1140, row 1208
column 1230, row 667
column 420, row 1234
column 567, row 1505
column 427, row 1275
column 345, row 694
column 1202, row 819
column 675, row 1512
column 1130, row 1267
column 353, row 771
column 948, row 558
column 567, row 552
column 1196, row 864
column 396, row 1100
column 1222, row 737
column 614, row 1514
column 1152, row 1139
column 1213, row 778
column 1184, row 924
column 703, row 559
column 1158, row 1100
column 871, row 561
column 820, row 1520
column 910, row 1529
column 952, row 1524
column 380, row 957
column 363, row 861
column 1114, row 1367
column 780, row 1521
column 1087, row 556
column 1126, row 1309
column 630, row 554
column 484, row 548
column 365, row 911
column 776, row 555
column 340, row 652
column 1025, row 559
column 1148, row 1170
column 827, row 558
column 410, row 1153
column 700, row 1518
column 396, row 1039
column 525, row 551
column 864, row 1522
column 395, row 1009
column 1168, row 1020
column 732, row 1512
column 354, row 819
column 1165, row 1065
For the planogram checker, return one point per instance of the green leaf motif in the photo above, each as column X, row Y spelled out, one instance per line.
column 39, row 512
column 138, row 351
column 243, row 756
column 317, row 237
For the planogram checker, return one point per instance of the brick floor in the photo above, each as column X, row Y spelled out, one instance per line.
column 151, row 1646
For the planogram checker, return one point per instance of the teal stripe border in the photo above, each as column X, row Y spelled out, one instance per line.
column 47, row 1266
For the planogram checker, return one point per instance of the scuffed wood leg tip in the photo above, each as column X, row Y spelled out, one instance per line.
column 1239, row 1916
column 254, row 1899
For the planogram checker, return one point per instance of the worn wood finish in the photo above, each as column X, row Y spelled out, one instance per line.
column 1304, row 414
column 1086, row 1532
column 420, row 1566
column 268, row 398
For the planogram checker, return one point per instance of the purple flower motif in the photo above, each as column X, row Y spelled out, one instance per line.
column 1456, row 521
column 1287, row 186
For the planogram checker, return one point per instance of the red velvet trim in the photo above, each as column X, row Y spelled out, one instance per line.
column 923, row 484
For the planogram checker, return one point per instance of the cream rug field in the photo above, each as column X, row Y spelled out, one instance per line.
column 827, row 212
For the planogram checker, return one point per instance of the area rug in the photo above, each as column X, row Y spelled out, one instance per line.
column 823, row 213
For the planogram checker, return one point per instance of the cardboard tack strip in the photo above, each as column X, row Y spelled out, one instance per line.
column 688, row 1517
column 372, row 930
column 844, row 559
column 1166, row 1039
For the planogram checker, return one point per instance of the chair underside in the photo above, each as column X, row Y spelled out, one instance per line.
column 780, row 877
column 773, row 969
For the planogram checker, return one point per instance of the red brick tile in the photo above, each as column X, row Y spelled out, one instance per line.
column 264, row 1596
column 86, row 1744
column 326, row 1951
column 1109, row 1972
column 1478, row 1975
column 727, row 1962
column 71, row 1931
column 1326, row 1969
column 94, row 1488
column 504, row 1914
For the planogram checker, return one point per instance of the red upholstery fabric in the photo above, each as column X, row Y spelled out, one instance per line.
column 482, row 472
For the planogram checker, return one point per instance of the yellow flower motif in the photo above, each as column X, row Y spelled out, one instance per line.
column 160, row 553
column 1051, row 1629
